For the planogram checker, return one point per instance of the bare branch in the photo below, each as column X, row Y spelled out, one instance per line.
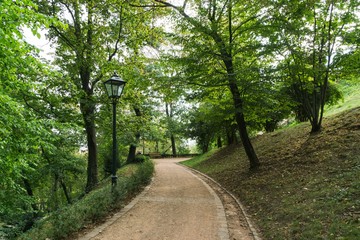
column 69, row 10
column 144, row 5
column 167, row 4
column 119, row 36
column 96, row 80
column 184, row 5
column 230, row 23
column 37, row 110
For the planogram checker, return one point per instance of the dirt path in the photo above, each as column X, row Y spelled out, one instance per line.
column 177, row 205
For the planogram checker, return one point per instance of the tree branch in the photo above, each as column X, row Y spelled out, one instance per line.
column 242, row 24
column 69, row 10
column 119, row 36
column 64, row 38
column 222, row 10
column 144, row 5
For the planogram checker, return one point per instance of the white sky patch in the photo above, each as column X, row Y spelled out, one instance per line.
column 42, row 43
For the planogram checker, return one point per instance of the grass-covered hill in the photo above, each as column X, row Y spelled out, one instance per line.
column 308, row 186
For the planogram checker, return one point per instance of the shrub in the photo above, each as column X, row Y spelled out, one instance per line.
column 140, row 158
column 92, row 207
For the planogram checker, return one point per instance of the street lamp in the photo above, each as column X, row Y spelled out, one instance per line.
column 114, row 88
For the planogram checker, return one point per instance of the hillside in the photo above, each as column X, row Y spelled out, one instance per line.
column 308, row 186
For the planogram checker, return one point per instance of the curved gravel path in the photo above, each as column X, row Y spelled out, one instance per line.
column 176, row 205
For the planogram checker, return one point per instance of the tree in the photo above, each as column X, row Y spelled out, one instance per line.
column 169, row 109
column 168, row 93
column 212, row 118
column 201, row 127
column 221, row 38
column 311, row 33
column 99, row 36
column 21, row 131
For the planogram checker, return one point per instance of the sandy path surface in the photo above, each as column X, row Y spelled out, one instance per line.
column 177, row 205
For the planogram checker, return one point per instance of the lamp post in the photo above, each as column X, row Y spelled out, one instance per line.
column 114, row 88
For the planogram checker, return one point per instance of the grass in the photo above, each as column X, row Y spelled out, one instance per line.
column 308, row 186
column 198, row 159
column 351, row 99
column 94, row 207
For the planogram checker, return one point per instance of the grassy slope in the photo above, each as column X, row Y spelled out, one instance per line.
column 308, row 186
column 351, row 99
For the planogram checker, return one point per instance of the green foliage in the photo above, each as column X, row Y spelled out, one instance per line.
column 92, row 207
column 296, row 94
column 22, row 136
column 267, row 105
column 311, row 45
column 43, row 112
column 39, row 153
column 207, row 122
column 90, row 49
column 140, row 158
column 106, row 159
column 182, row 148
column 24, row 130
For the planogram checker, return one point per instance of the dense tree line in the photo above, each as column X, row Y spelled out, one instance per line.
column 219, row 72
column 276, row 58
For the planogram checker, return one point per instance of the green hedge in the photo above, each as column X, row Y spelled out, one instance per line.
column 93, row 207
column 141, row 158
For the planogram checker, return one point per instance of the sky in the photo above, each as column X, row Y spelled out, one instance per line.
column 43, row 44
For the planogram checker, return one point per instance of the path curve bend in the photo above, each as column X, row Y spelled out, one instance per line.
column 176, row 205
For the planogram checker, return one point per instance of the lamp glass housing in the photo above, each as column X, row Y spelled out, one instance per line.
column 114, row 86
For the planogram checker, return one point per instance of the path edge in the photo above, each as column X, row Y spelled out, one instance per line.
column 249, row 222
column 97, row 230
column 223, row 231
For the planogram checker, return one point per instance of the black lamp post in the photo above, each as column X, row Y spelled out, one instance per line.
column 114, row 88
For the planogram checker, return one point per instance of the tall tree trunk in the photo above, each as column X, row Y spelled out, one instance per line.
column 205, row 147
column 227, row 58
column 89, row 105
column 88, row 109
column 66, row 193
column 132, row 148
column 131, row 154
column 29, row 191
column 55, row 199
column 219, row 142
column 169, row 114
column 173, row 146
column 231, row 135
column 80, row 42
column 314, row 119
column 240, row 119
column 239, row 115
column 31, row 220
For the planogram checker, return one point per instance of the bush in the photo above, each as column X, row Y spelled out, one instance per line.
column 91, row 208
column 140, row 158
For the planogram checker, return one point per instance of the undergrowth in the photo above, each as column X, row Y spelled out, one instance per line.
column 94, row 207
